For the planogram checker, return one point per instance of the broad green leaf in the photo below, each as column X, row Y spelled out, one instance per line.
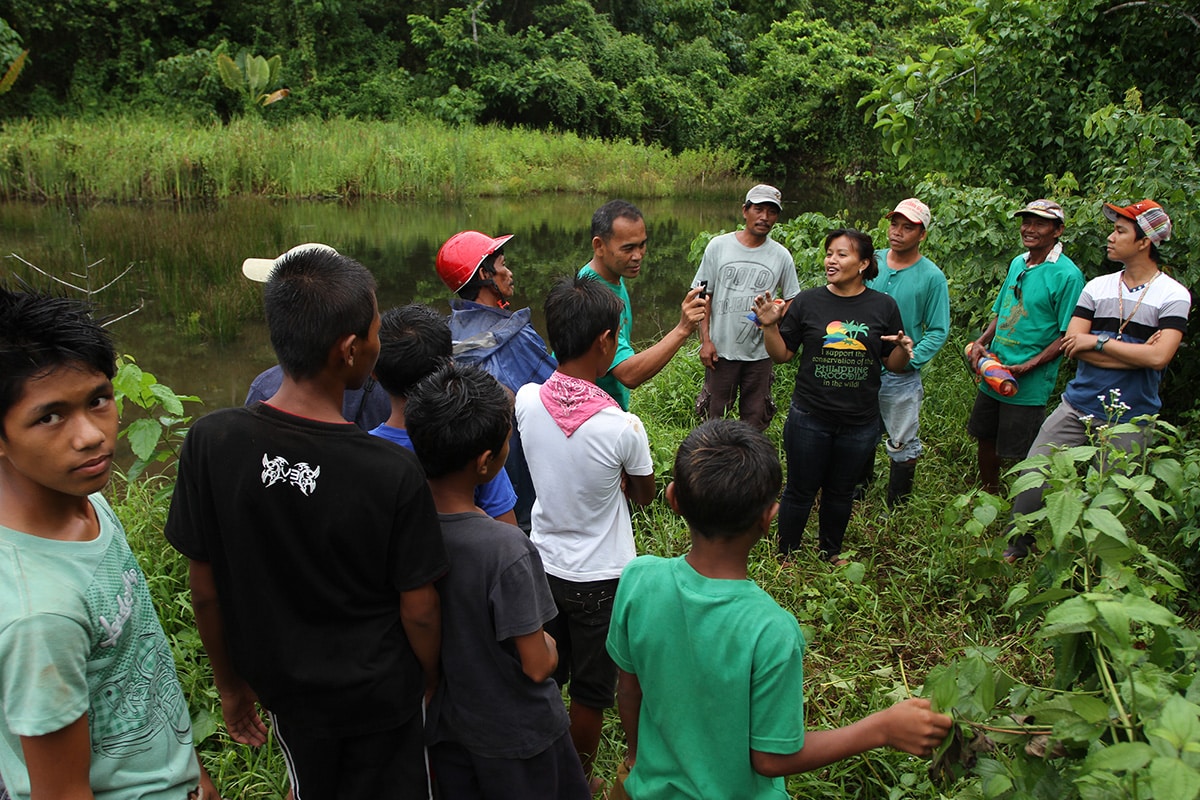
column 274, row 64
column 143, row 435
column 204, row 724
column 257, row 74
column 170, row 401
column 1120, row 757
column 1116, row 619
column 231, row 76
column 1076, row 614
column 1171, row 778
column 1104, row 520
column 1063, row 510
column 1145, row 610
column 1169, row 472
column 1091, row 709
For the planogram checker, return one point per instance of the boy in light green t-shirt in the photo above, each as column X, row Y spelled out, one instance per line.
column 90, row 705
column 735, row 726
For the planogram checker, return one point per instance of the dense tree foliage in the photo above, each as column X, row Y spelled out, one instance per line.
column 981, row 90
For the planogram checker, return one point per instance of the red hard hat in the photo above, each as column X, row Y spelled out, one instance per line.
column 461, row 255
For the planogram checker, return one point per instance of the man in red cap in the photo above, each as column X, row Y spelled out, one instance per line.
column 1125, row 330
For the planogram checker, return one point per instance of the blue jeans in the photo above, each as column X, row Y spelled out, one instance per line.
column 900, row 396
column 821, row 456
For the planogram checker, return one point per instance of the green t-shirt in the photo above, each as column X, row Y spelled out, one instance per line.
column 721, row 672
column 609, row 383
column 1033, row 309
column 78, row 633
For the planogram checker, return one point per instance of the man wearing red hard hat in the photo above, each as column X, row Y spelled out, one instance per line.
column 487, row 334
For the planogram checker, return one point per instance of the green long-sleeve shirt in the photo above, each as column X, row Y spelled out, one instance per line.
column 924, row 300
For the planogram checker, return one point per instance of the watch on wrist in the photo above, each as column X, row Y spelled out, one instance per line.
column 1101, row 340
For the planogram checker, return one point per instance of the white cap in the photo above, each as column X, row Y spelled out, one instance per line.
column 913, row 210
column 259, row 269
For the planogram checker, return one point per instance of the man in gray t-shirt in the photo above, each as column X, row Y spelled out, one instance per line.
column 736, row 268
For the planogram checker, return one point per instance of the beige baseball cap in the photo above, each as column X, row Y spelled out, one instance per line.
column 259, row 269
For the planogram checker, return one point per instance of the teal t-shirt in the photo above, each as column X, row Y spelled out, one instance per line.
column 78, row 633
column 721, row 672
column 1033, row 309
column 609, row 382
column 921, row 292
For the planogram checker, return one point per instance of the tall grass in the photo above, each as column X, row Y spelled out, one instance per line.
column 917, row 592
column 143, row 157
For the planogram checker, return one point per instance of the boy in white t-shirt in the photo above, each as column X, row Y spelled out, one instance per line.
column 586, row 456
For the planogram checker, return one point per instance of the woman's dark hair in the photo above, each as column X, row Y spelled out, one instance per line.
column 862, row 246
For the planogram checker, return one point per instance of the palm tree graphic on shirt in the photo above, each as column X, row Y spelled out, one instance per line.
column 844, row 335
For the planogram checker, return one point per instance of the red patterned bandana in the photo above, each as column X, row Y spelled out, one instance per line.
column 572, row 401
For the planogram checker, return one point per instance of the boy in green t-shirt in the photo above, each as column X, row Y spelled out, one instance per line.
column 90, row 705
column 735, row 727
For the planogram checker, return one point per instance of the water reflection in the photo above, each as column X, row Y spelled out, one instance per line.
column 200, row 329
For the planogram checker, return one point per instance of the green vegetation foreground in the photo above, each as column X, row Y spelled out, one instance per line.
column 925, row 601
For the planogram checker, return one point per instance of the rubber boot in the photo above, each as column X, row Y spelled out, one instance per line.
column 900, row 481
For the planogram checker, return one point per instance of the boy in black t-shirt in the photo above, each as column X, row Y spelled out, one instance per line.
column 497, row 726
column 313, row 548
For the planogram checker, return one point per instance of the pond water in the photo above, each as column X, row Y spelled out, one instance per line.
column 199, row 325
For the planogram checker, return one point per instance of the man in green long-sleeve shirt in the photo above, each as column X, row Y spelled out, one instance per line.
column 919, row 288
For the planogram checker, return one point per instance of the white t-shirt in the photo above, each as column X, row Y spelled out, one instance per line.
column 581, row 523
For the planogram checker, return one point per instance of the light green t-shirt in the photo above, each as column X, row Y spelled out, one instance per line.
column 78, row 633
column 721, row 672
column 609, row 383
column 921, row 292
column 1033, row 309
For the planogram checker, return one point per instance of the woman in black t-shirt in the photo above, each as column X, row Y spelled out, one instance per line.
column 845, row 333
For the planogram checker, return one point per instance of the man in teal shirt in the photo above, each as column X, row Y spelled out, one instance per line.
column 1032, row 313
column 618, row 247
column 919, row 288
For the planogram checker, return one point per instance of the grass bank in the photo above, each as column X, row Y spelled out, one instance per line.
column 921, row 588
column 142, row 157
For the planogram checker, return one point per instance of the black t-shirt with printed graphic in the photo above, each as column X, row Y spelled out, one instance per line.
column 838, row 339
column 313, row 530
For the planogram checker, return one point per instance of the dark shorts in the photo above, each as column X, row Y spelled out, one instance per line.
column 553, row 773
column 1013, row 428
column 581, row 630
column 387, row 763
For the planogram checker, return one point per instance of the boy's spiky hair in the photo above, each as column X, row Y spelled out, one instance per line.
column 727, row 474
column 39, row 332
column 414, row 340
column 312, row 299
column 454, row 415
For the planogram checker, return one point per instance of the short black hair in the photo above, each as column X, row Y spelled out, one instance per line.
column 862, row 245
column 40, row 332
column 577, row 311
column 607, row 214
column 313, row 298
column 454, row 415
column 414, row 340
column 727, row 474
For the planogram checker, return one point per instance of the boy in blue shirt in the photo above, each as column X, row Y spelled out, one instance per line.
column 90, row 705
column 735, row 726
column 497, row 727
column 413, row 342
